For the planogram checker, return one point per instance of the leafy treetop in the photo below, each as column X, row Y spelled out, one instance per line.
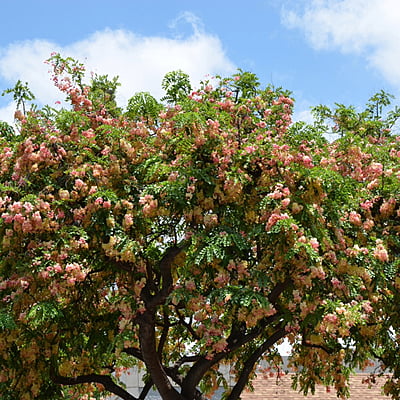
column 180, row 237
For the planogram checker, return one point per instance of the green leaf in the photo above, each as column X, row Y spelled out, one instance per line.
column 6, row 321
column 44, row 312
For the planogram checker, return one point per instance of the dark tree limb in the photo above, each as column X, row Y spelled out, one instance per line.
column 196, row 373
column 146, row 389
column 187, row 325
column 104, row 380
column 178, row 379
column 236, row 340
column 187, row 359
column 147, row 323
column 150, row 353
column 151, row 358
column 277, row 291
column 166, row 265
column 250, row 363
column 132, row 351
column 316, row 346
column 202, row 365
column 164, row 334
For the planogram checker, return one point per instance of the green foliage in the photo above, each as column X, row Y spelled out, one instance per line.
column 43, row 313
column 6, row 131
column 184, row 237
column 376, row 104
column 244, row 85
column 143, row 105
column 373, row 121
column 103, row 91
column 221, row 245
column 21, row 94
column 176, row 85
column 6, row 322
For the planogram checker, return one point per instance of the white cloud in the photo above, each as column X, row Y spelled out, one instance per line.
column 7, row 112
column 369, row 28
column 139, row 61
column 195, row 23
column 25, row 61
column 304, row 115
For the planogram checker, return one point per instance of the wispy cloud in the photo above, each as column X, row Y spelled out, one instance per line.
column 369, row 28
column 139, row 61
column 188, row 17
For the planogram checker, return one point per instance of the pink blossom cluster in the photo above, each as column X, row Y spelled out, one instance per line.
column 355, row 218
column 150, row 205
column 279, row 192
column 23, row 217
column 34, row 156
column 15, row 285
column 388, row 207
column 380, row 252
column 5, row 159
column 274, row 218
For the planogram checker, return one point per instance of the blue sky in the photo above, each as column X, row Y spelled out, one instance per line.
column 324, row 51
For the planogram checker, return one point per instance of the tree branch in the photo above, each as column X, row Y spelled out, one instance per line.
column 104, row 380
column 196, row 373
column 166, row 264
column 146, row 389
column 316, row 346
column 202, row 365
column 277, row 290
column 177, row 378
column 148, row 347
column 164, row 334
column 188, row 326
column 251, row 362
column 134, row 352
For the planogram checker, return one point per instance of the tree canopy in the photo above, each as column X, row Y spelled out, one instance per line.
column 179, row 237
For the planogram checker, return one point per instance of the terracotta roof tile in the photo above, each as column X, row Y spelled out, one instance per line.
column 271, row 389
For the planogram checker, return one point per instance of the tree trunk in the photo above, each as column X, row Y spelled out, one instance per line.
column 151, row 358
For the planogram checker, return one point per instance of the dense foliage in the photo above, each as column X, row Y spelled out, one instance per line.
column 182, row 236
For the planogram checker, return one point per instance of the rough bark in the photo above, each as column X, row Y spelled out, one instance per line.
column 151, row 358
column 147, row 337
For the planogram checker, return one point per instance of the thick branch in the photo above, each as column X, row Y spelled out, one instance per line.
column 202, row 365
column 146, row 389
column 187, row 325
column 277, row 290
column 164, row 334
column 147, row 337
column 251, row 362
column 122, row 265
column 178, row 379
column 197, row 372
column 134, row 352
column 316, row 346
column 151, row 358
column 235, row 340
column 186, row 359
column 104, row 380
column 166, row 265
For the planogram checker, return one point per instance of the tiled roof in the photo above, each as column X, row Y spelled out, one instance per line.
column 273, row 389
column 269, row 388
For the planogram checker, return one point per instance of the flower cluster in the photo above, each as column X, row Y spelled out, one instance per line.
column 192, row 234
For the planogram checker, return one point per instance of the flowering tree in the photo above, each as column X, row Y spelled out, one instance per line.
column 182, row 237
